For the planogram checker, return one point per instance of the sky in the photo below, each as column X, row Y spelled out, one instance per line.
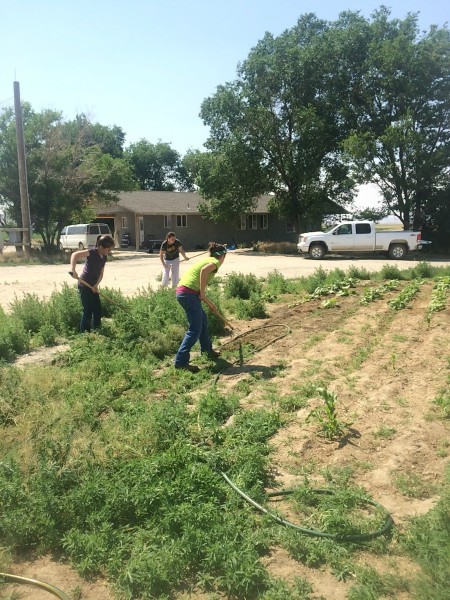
column 147, row 65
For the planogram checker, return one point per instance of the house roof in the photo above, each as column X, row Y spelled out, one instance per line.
column 169, row 203
column 166, row 203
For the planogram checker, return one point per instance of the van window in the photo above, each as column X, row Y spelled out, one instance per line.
column 93, row 230
column 76, row 229
column 104, row 229
column 64, row 231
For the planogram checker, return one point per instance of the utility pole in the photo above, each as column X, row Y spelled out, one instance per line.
column 23, row 182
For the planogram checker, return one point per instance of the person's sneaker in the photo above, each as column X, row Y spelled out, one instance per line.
column 190, row 368
column 212, row 353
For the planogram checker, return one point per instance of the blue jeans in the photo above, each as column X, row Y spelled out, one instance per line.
column 197, row 330
column 92, row 310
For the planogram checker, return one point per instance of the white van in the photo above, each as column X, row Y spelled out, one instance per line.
column 82, row 236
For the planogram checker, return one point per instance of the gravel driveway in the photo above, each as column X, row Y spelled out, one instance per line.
column 131, row 271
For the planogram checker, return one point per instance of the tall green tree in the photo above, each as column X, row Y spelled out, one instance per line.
column 65, row 173
column 158, row 167
column 279, row 126
column 401, row 140
column 110, row 140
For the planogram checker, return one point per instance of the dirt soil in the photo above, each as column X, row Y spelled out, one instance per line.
column 386, row 368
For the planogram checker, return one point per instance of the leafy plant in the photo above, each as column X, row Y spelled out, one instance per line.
column 406, row 295
column 439, row 297
column 372, row 294
column 326, row 415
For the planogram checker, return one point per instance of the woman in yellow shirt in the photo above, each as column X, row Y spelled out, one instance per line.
column 190, row 294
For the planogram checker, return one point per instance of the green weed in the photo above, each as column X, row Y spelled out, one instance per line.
column 385, row 432
column 372, row 585
column 427, row 541
column 443, row 402
column 412, row 486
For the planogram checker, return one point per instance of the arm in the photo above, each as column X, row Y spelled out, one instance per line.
column 95, row 287
column 181, row 249
column 161, row 257
column 75, row 257
column 204, row 274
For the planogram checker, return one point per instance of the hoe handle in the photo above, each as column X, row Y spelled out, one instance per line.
column 85, row 283
column 216, row 312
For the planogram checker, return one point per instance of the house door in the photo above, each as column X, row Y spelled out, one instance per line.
column 141, row 231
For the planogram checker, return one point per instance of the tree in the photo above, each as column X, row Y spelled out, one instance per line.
column 278, row 128
column 158, row 167
column 83, row 132
column 371, row 214
column 65, row 174
column 402, row 138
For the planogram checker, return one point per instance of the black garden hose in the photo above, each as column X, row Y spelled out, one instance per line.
column 7, row 578
column 357, row 537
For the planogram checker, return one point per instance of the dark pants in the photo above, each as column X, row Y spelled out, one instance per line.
column 198, row 328
column 92, row 309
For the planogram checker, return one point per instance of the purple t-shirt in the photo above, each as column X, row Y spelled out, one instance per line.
column 92, row 267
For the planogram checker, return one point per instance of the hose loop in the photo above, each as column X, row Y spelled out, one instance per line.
column 387, row 525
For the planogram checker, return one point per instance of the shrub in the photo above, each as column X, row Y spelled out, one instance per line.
column 277, row 284
column 254, row 308
column 241, row 286
column 31, row 311
column 422, row 270
column 317, row 279
column 390, row 272
column 47, row 334
column 358, row 272
column 13, row 338
column 65, row 309
column 275, row 247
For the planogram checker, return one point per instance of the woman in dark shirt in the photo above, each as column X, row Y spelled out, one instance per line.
column 92, row 274
column 169, row 255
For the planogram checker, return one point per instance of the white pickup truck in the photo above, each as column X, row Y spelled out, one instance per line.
column 359, row 236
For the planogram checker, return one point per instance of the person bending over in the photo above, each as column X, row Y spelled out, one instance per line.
column 190, row 294
column 92, row 274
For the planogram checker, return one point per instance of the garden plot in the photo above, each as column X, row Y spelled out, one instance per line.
column 386, row 369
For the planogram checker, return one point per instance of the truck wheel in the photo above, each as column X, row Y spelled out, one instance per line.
column 398, row 251
column 317, row 251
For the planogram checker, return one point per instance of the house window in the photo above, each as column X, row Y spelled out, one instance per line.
column 181, row 220
column 290, row 227
column 124, row 222
column 167, row 221
column 252, row 222
column 263, row 221
column 243, row 222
